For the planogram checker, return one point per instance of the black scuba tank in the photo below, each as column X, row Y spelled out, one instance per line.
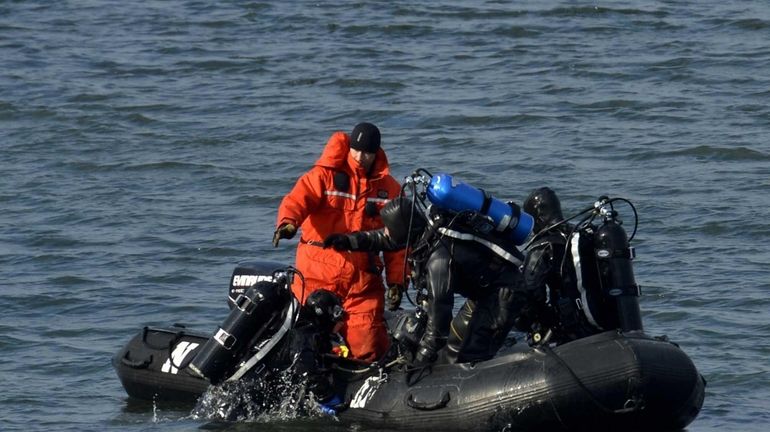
column 614, row 257
column 253, row 317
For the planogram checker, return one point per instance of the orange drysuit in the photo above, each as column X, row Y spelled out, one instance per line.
column 336, row 196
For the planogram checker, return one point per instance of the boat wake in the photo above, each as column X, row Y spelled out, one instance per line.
column 278, row 397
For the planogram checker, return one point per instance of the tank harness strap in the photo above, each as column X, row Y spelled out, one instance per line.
column 583, row 305
column 502, row 253
column 515, row 211
column 486, row 203
column 288, row 323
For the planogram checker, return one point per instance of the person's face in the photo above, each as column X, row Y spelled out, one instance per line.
column 364, row 159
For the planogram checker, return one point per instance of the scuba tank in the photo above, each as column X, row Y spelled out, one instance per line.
column 595, row 288
column 614, row 256
column 447, row 193
column 255, row 314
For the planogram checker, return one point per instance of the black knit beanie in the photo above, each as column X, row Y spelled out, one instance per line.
column 365, row 137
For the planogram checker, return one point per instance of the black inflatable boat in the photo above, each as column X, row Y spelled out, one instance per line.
column 609, row 381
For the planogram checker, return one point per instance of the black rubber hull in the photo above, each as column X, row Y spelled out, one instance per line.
column 609, row 381
column 606, row 382
column 145, row 367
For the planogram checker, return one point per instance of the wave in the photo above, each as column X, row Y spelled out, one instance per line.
column 739, row 153
column 707, row 152
column 574, row 11
column 750, row 24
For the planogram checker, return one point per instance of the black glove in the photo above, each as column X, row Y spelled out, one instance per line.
column 340, row 242
column 393, row 296
column 284, row 231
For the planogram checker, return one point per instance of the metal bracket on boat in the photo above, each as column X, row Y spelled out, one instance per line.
column 633, row 404
column 383, row 378
column 288, row 323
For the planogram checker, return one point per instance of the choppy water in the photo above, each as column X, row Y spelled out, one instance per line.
column 146, row 146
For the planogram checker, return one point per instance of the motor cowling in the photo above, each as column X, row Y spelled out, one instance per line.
column 614, row 258
column 449, row 194
column 246, row 274
column 254, row 317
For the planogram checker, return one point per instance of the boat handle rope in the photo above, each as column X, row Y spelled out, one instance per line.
column 177, row 336
column 170, row 346
column 138, row 364
column 635, row 405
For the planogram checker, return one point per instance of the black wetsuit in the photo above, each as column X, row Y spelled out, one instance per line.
column 452, row 257
column 552, row 286
column 494, row 292
column 303, row 349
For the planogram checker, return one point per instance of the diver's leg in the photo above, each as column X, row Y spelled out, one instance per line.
column 494, row 317
column 440, row 304
column 458, row 330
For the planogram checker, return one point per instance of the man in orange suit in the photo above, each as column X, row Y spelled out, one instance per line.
column 344, row 192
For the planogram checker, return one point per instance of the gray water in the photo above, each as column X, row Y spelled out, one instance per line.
column 146, row 147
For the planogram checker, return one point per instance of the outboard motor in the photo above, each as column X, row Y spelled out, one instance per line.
column 246, row 274
column 447, row 193
column 256, row 316
column 614, row 256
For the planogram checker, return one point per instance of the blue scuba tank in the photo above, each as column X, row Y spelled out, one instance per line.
column 450, row 194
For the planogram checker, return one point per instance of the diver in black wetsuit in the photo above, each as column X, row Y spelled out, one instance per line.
column 312, row 336
column 452, row 253
column 550, row 274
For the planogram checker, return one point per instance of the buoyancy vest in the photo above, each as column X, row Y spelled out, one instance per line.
column 473, row 227
column 477, row 257
column 563, row 275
